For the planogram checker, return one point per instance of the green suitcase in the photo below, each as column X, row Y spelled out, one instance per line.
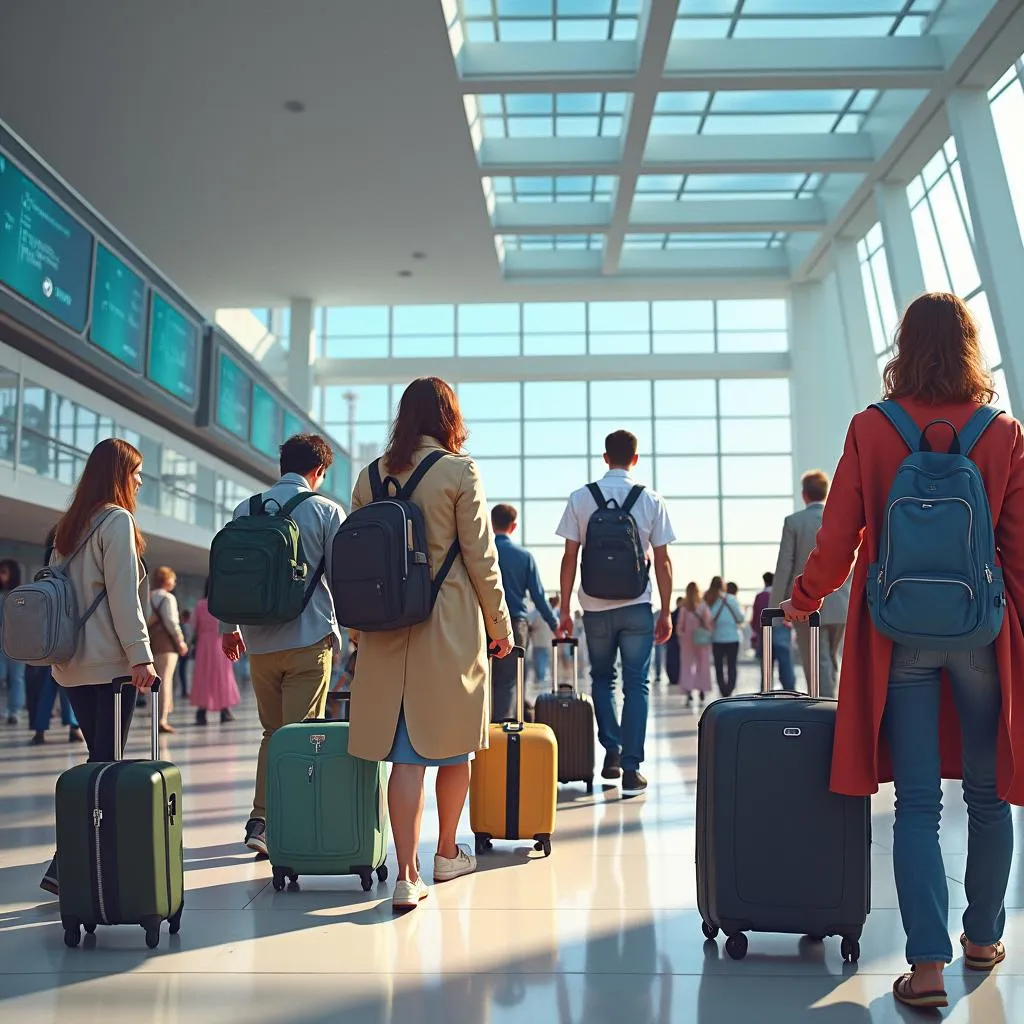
column 119, row 841
column 326, row 810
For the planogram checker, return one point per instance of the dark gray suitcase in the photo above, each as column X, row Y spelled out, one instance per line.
column 570, row 714
column 777, row 851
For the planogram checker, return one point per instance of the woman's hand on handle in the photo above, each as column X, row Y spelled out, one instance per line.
column 143, row 676
column 501, row 648
column 793, row 614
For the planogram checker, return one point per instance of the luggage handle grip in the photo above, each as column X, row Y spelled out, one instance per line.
column 120, row 684
column 574, row 646
column 768, row 619
column 519, row 653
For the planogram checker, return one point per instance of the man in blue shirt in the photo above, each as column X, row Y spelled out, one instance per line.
column 519, row 577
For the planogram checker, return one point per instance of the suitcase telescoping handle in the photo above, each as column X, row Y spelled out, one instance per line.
column 119, row 687
column 768, row 619
column 519, row 653
column 574, row 648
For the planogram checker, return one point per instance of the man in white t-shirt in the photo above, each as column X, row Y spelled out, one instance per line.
column 625, row 627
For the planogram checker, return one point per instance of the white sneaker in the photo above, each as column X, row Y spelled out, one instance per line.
column 408, row 895
column 463, row 863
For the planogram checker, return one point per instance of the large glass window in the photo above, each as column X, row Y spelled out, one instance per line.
column 878, row 293
column 945, row 239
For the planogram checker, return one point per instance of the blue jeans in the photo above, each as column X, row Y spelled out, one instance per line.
column 782, row 655
column 911, row 724
column 13, row 673
column 659, row 661
column 628, row 632
column 44, row 705
column 541, row 664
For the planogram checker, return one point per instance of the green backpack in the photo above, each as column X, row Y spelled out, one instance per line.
column 259, row 575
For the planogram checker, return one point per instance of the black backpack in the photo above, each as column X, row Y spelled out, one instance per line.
column 380, row 576
column 615, row 565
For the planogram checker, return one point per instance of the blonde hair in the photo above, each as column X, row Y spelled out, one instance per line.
column 164, row 575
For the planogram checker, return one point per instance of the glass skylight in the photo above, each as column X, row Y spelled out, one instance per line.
column 684, row 240
column 548, row 115
column 683, row 187
column 762, row 112
column 533, row 21
column 552, row 243
column 575, row 188
column 745, row 19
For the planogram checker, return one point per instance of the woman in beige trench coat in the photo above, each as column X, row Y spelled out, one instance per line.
column 420, row 694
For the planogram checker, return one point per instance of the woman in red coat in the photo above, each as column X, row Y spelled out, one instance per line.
column 917, row 716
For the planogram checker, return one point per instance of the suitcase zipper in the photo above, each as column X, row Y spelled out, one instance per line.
column 97, row 820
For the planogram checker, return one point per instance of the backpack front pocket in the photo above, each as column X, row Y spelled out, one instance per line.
column 947, row 604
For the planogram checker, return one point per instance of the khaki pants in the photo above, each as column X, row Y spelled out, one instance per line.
column 289, row 686
column 828, row 655
column 164, row 665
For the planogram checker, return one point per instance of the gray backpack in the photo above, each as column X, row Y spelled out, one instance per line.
column 41, row 624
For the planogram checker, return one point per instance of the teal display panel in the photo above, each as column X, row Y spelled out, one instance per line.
column 266, row 422
column 234, row 397
column 173, row 351
column 292, row 426
column 45, row 254
column 118, row 324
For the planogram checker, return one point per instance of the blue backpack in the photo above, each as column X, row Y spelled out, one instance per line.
column 935, row 585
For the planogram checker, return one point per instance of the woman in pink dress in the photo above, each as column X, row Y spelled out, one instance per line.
column 213, row 679
column 693, row 630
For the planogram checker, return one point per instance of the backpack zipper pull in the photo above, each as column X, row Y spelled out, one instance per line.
column 309, row 775
column 988, row 574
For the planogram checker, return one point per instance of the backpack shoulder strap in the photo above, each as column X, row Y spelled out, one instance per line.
column 419, row 473
column 631, row 498
column 976, row 427
column 449, row 560
column 256, row 505
column 902, row 421
column 596, row 494
column 376, row 484
column 293, row 503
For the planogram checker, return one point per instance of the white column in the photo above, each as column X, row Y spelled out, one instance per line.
column 821, row 389
column 901, row 253
column 997, row 241
column 860, row 362
column 300, row 353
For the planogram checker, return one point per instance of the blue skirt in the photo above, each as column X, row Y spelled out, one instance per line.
column 403, row 752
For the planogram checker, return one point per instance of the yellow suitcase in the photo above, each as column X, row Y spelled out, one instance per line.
column 513, row 790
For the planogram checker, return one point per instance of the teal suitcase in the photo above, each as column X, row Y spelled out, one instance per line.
column 119, row 841
column 326, row 810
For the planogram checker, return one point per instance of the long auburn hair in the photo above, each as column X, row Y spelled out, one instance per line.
column 714, row 591
column 428, row 408
column 106, row 480
column 938, row 355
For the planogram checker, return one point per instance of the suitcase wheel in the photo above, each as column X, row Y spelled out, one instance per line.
column 152, row 933
column 850, row 950
column 366, row 878
column 72, row 936
column 736, row 946
column 710, row 931
column 590, row 786
column 280, row 876
column 382, row 872
column 174, row 922
column 483, row 843
column 90, row 929
column 543, row 843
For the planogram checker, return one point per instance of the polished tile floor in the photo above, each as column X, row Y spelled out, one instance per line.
column 606, row 930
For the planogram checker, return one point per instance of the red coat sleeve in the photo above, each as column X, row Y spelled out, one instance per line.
column 1010, row 526
column 842, row 528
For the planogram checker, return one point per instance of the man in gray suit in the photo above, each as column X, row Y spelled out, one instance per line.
column 799, row 534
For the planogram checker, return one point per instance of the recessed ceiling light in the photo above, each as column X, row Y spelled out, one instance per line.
column 405, row 273
column 294, row 106
column 419, row 255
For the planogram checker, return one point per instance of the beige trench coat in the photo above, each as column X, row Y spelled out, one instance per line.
column 438, row 668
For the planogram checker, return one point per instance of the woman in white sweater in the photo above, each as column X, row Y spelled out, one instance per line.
column 165, row 637
column 100, row 545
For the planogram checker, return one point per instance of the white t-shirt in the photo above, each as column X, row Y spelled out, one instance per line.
column 651, row 518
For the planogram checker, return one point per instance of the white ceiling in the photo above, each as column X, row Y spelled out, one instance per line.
column 169, row 119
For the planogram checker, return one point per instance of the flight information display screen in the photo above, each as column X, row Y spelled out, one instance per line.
column 173, row 351
column 234, row 397
column 45, row 254
column 118, row 310
column 266, row 422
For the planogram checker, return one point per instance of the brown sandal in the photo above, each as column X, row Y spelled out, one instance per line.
column 918, row 1000
column 986, row 963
